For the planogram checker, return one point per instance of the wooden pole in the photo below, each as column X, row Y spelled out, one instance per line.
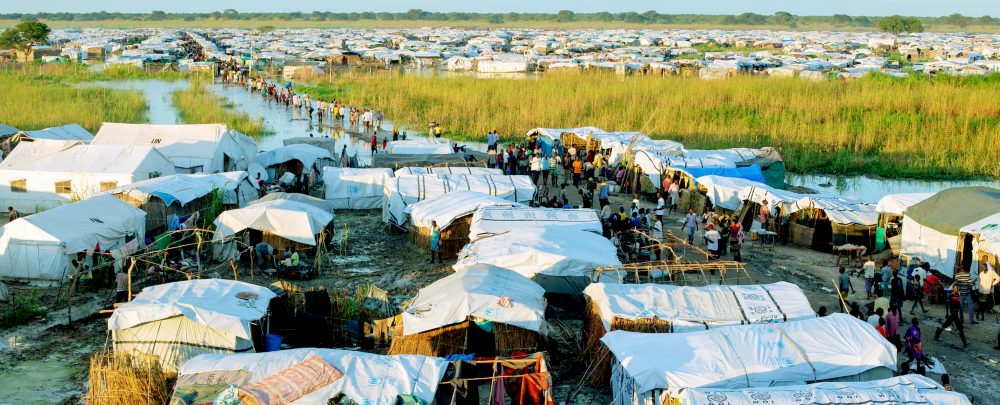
column 130, row 267
column 232, row 264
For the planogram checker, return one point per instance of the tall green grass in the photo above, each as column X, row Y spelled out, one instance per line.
column 198, row 105
column 36, row 98
column 915, row 127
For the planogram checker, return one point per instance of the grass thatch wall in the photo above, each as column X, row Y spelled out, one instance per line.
column 595, row 354
column 453, row 339
column 453, row 238
column 126, row 379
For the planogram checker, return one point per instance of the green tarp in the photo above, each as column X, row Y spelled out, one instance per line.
column 951, row 209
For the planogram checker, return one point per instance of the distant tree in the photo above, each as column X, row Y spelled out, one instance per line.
column 863, row 21
column 216, row 15
column 496, row 19
column 751, row 19
column 650, row 16
column 898, row 24
column 842, row 19
column 632, row 17
column 565, row 16
column 604, row 16
column 24, row 36
column 783, row 17
column 985, row 20
column 230, row 14
column 414, row 14
column 157, row 15
column 958, row 20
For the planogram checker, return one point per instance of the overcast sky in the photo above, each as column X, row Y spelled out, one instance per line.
column 800, row 7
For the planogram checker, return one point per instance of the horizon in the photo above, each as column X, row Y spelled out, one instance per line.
column 874, row 8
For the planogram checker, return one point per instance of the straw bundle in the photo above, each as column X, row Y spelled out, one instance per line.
column 453, row 238
column 595, row 355
column 509, row 338
column 453, row 339
column 126, row 379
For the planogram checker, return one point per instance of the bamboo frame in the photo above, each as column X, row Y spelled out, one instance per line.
column 675, row 273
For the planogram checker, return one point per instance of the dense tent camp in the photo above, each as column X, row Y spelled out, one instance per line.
column 402, row 191
column 180, row 320
column 420, row 146
column 357, row 189
column 910, row 389
column 43, row 174
column 557, row 258
column 282, row 223
column 363, row 377
column 399, row 160
column 207, row 148
column 477, row 170
column 489, row 221
column 169, row 200
column 453, row 214
column 42, row 247
column 837, row 347
column 931, row 228
column 485, row 310
column 295, row 158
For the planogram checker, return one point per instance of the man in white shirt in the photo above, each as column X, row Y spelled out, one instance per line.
column 869, row 273
column 712, row 239
column 536, row 167
column 660, row 204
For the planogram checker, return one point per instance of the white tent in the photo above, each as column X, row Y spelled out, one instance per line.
column 70, row 132
column 655, row 366
column 932, row 227
column 910, row 389
column 446, row 208
column 405, row 190
column 985, row 237
column 292, row 220
column 405, row 171
column 43, row 174
column 318, row 203
column 358, row 189
column 556, row 258
column 896, row 204
column 838, row 209
column 40, row 246
column 726, row 192
column 367, row 378
column 489, row 221
column 180, row 320
column 420, row 146
column 207, row 148
column 477, row 292
column 183, row 188
column 759, row 193
column 690, row 309
column 307, row 154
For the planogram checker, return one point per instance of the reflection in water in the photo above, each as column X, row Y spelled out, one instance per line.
column 872, row 189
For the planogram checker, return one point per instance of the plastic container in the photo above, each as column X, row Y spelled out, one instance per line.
column 272, row 342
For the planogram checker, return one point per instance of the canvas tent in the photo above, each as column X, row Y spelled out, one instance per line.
column 41, row 246
column 837, row 347
column 329, row 144
column 207, row 148
column 497, row 220
column 980, row 242
column 420, row 146
column 726, row 192
column 358, row 189
column 317, row 203
column 44, row 174
column 397, row 160
column 405, row 190
column 910, row 389
column 890, row 209
column 181, row 195
column 823, row 221
column 283, row 223
column 485, row 310
column 180, row 320
column 294, row 158
column 932, row 227
column 453, row 214
column 70, row 132
column 367, row 378
column 478, row 170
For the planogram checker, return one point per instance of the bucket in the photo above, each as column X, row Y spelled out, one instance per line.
column 272, row 342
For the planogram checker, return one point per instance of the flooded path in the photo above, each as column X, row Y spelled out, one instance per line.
column 159, row 96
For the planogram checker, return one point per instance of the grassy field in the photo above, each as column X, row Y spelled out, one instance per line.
column 198, row 105
column 37, row 97
column 475, row 23
column 918, row 127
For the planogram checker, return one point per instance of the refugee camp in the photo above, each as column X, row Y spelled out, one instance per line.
column 506, row 203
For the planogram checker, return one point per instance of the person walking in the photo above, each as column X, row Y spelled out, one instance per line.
column 868, row 269
column 886, row 276
column 374, row 144
column 844, row 284
column 953, row 315
column 690, row 223
column 896, row 291
column 736, row 240
column 577, row 171
column 660, row 205
column 535, row 166
column 435, row 242
column 604, row 193
column 544, row 164
column 675, row 196
column 712, row 241
column 918, row 293
column 914, row 344
column 892, row 319
column 988, row 280
column 963, row 280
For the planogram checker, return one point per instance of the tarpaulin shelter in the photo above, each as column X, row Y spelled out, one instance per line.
column 207, row 148
column 367, row 378
column 497, row 220
column 837, row 347
column 420, row 146
column 358, row 189
column 405, row 190
column 478, row 170
column 453, row 214
column 329, row 144
column 823, row 221
column 398, row 160
column 43, row 174
column 931, row 228
column 294, row 158
column 180, row 320
column 70, row 132
column 182, row 195
column 909, row 389
column 726, row 192
column 890, row 209
column 40, row 247
column 486, row 310
column 280, row 221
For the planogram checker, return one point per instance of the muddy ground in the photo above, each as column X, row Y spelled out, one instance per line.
column 45, row 361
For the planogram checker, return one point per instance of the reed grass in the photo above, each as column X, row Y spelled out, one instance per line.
column 198, row 105
column 941, row 127
column 43, row 97
column 126, row 379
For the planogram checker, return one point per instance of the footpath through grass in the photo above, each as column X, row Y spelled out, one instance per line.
column 943, row 127
column 41, row 96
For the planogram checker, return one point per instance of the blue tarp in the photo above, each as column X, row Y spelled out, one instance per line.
column 751, row 172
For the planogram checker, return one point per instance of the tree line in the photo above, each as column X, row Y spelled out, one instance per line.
column 781, row 18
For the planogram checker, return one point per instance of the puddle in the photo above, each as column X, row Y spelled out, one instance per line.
column 40, row 381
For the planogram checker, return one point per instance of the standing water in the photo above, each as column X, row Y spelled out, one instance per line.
column 159, row 96
column 870, row 190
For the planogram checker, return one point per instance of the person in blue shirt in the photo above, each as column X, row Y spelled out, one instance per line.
column 435, row 242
